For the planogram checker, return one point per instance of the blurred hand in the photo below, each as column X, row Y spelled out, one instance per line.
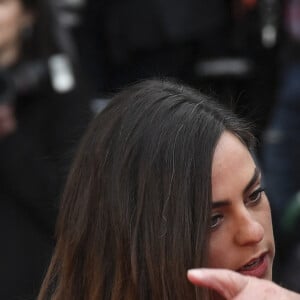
column 8, row 123
column 232, row 285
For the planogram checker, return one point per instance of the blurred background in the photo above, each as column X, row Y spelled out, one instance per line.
column 60, row 62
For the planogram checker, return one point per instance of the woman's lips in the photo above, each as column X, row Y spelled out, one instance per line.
column 257, row 267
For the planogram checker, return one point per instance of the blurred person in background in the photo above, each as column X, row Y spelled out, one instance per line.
column 212, row 44
column 281, row 150
column 43, row 111
column 132, row 40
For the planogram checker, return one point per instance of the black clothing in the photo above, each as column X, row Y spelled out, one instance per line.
column 124, row 41
column 33, row 164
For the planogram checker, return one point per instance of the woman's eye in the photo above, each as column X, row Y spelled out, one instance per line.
column 256, row 196
column 215, row 221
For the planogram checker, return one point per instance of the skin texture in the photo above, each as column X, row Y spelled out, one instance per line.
column 13, row 19
column 8, row 122
column 232, row 285
column 241, row 223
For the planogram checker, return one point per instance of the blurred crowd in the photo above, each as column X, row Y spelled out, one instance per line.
column 60, row 60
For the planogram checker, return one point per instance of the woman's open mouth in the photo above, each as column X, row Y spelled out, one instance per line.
column 257, row 267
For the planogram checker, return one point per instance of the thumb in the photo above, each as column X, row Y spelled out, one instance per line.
column 227, row 283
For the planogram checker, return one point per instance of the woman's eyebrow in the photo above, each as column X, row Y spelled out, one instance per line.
column 253, row 180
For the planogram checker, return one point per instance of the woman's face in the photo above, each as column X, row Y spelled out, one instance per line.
column 13, row 19
column 241, row 237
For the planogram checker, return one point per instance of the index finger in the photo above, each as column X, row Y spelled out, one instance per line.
column 227, row 283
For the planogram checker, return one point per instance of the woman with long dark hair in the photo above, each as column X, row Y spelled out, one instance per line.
column 164, row 180
column 43, row 111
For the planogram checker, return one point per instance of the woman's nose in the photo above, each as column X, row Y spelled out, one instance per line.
column 249, row 230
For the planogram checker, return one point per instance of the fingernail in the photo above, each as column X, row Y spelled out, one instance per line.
column 195, row 273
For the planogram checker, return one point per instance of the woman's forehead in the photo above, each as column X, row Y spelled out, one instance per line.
column 232, row 166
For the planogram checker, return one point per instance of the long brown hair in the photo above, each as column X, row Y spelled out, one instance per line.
column 136, row 208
